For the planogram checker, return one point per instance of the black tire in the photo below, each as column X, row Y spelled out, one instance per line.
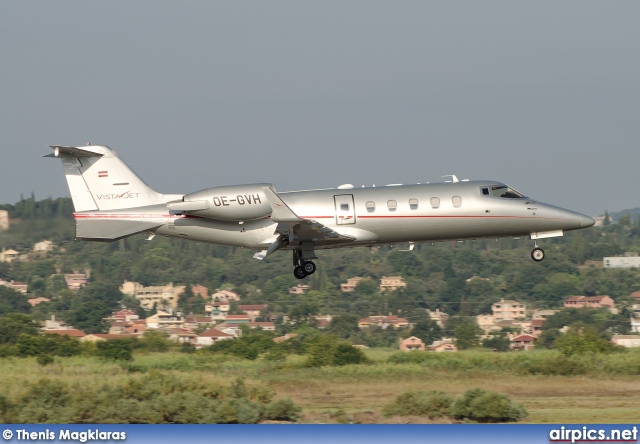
column 537, row 254
column 309, row 267
column 299, row 272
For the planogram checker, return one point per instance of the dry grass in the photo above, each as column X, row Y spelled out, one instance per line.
column 358, row 393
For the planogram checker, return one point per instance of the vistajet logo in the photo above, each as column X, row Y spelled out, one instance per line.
column 125, row 195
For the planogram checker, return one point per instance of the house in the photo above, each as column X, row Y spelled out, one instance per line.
column 181, row 335
column 629, row 260
column 444, row 345
column 165, row 319
column 198, row 321
column 522, row 342
column 199, row 290
column 253, row 311
column 439, row 317
column 164, row 296
column 35, row 301
column 286, row 337
column 351, row 284
column 225, row 295
column 130, row 288
column 4, row 220
column 536, row 326
column 136, row 328
column 629, row 341
column 299, row 289
column 219, row 310
column 20, row 287
column 9, row 255
column 43, row 246
column 383, row 322
column 232, row 329
column 589, row 301
column 487, row 323
column 392, row 283
column 411, row 343
column 507, row 310
column 71, row 332
column 124, row 315
column 96, row 337
column 52, row 324
column 323, row 321
column 266, row 326
column 76, row 281
column 237, row 319
column 543, row 314
column 212, row 336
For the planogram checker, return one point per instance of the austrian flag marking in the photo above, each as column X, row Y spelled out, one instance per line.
column 103, row 173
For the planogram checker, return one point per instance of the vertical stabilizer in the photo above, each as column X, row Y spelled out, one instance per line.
column 99, row 180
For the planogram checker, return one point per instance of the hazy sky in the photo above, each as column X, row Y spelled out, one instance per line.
column 543, row 95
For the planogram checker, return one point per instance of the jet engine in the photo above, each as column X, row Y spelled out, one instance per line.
column 233, row 203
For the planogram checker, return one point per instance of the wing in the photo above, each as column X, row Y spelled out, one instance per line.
column 298, row 230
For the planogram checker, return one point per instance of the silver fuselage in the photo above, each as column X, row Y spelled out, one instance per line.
column 372, row 216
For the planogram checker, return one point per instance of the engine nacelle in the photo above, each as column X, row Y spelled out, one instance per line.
column 236, row 202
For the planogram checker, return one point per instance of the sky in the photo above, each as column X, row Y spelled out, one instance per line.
column 544, row 96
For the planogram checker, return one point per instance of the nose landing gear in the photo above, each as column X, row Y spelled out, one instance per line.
column 537, row 254
column 302, row 268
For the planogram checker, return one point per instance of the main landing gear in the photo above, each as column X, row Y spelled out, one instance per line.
column 537, row 254
column 302, row 268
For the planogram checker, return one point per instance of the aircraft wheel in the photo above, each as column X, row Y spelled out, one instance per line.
column 309, row 267
column 537, row 254
column 299, row 272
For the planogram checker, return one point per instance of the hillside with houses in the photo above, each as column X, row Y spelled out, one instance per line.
column 442, row 297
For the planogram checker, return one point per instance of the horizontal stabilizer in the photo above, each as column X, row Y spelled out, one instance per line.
column 110, row 230
column 70, row 151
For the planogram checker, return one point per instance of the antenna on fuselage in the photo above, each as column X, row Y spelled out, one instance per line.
column 453, row 177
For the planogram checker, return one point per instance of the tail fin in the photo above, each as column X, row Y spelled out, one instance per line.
column 99, row 180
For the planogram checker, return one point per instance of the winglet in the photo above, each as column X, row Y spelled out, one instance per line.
column 280, row 212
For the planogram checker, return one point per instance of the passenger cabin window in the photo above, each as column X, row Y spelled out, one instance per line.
column 392, row 205
column 435, row 202
column 457, row 201
column 371, row 206
column 344, row 207
column 413, row 204
column 505, row 192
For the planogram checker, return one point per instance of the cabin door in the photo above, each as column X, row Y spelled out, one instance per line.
column 345, row 211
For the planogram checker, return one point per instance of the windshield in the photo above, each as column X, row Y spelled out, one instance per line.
column 504, row 191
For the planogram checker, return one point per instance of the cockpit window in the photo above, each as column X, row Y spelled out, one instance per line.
column 503, row 191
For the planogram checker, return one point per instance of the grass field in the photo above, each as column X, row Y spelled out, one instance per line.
column 357, row 393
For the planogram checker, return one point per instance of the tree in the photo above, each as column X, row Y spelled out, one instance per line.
column 583, row 339
column 13, row 325
column 497, row 342
column 466, row 336
column 427, row 330
column 115, row 349
column 12, row 301
column 345, row 354
column 343, row 325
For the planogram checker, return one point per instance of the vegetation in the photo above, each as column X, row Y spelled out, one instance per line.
column 486, row 406
column 432, row 404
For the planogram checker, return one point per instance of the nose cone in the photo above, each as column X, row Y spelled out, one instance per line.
column 586, row 221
